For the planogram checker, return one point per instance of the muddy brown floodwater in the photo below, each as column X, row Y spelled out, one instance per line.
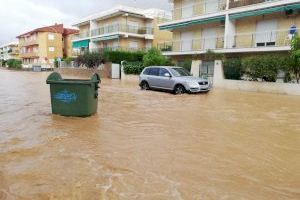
column 226, row 145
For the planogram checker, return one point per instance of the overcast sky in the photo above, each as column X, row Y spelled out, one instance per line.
column 18, row 16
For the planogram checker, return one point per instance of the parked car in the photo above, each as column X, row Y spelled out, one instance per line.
column 175, row 79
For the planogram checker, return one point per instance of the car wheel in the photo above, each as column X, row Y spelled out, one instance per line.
column 145, row 85
column 179, row 89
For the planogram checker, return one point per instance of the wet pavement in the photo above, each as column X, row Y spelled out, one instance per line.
column 148, row 145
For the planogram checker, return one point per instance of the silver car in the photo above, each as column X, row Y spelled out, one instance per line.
column 175, row 79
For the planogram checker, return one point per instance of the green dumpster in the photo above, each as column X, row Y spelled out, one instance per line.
column 73, row 97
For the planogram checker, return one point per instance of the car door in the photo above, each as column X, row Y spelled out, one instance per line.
column 153, row 77
column 163, row 81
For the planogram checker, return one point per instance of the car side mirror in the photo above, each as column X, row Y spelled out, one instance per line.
column 167, row 75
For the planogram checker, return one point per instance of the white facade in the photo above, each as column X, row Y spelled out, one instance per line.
column 116, row 30
column 267, row 31
column 9, row 51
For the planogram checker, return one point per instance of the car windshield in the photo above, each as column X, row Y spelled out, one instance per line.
column 178, row 71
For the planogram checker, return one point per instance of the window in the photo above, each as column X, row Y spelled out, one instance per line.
column 133, row 45
column 50, row 36
column 266, row 33
column 51, row 49
column 147, row 71
column 162, row 72
column 187, row 8
column 154, row 71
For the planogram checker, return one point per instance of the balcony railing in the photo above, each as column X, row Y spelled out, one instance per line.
column 278, row 38
column 29, row 42
column 197, row 9
column 240, row 3
column 29, row 54
column 81, row 35
column 193, row 45
column 122, row 28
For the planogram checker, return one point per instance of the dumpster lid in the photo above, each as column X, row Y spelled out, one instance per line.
column 54, row 77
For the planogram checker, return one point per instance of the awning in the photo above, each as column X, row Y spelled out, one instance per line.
column 110, row 37
column 80, row 44
column 192, row 22
column 264, row 11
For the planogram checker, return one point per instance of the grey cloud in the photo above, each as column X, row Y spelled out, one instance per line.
column 17, row 16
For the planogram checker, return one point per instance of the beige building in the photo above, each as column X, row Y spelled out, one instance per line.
column 232, row 27
column 9, row 51
column 42, row 45
column 121, row 27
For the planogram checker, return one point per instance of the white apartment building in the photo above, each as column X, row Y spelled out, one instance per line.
column 230, row 26
column 9, row 51
column 121, row 27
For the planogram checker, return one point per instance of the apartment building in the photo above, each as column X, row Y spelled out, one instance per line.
column 121, row 27
column 9, row 51
column 232, row 27
column 42, row 45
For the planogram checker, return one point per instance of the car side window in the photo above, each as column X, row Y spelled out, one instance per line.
column 147, row 71
column 154, row 72
column 162, row 72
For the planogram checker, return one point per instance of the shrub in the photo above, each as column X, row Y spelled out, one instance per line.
column 211, row 55
column 233, row 68
column 133, row 67
column 118, row 56
column 90, row 59
column 187, row 64
column 262, row 67
column 68, row 60
column 15, row 64
column 154, row 58
column 294, row 64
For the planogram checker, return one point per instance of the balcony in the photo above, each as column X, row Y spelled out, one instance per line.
column 248, row 42
column 278, row 38
column 201, row 44
column 241, row 3
column 29, row 55
column 81, row 35
column 29, row 42
column 198, row 9
column 122, row 28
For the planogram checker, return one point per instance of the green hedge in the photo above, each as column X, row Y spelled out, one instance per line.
column 119, row 55
column 15, row 64
column 233, row 68
column 133, row 67
column 264, row 67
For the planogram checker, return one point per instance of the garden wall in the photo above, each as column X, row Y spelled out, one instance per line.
column 251, row 86
column 104, row 71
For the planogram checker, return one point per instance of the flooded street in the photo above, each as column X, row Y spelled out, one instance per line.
column 145, row 145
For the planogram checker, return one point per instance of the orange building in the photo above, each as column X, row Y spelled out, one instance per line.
column 42, row 45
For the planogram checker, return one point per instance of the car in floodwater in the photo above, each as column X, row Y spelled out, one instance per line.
column 175, row 79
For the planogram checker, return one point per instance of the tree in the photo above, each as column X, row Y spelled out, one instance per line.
column 154, row 58
column 90, row 59
column 293, row 66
